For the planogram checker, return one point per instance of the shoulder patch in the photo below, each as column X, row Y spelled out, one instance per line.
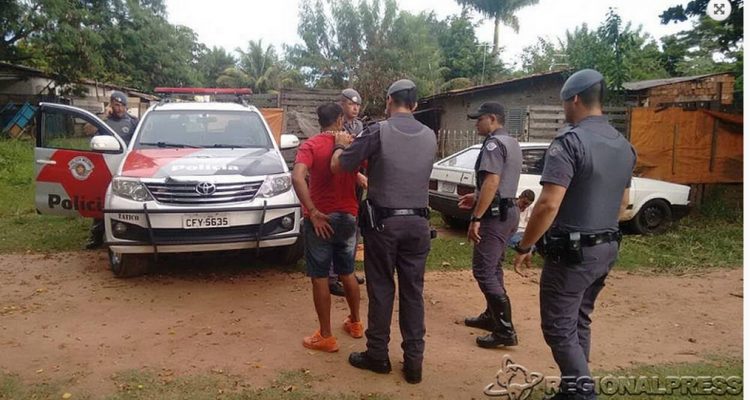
column 554, row 149
column 491, row 146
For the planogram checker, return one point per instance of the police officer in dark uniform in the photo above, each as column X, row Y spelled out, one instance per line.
column 124, row 125
column 494, row 220
column 586, row 180
column 351, row 102
column 395, row 226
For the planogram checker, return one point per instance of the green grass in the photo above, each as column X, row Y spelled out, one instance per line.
column 695, row 244
column 712, row 367
column 148, row 385
column 710, row 238
column 24, row 230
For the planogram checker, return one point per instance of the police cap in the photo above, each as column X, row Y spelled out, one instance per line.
column 351, row 94
column 490, row 107
column 119, row 97
column 403, row 84
column 580, row 81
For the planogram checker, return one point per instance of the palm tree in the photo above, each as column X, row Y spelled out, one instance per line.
column 259, row 69
column 502, row 11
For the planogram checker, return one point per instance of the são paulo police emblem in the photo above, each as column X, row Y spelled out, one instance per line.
column 80, row 168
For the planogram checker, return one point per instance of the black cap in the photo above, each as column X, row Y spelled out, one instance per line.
column 579, row 82
column 119, row 97
column 490, row 107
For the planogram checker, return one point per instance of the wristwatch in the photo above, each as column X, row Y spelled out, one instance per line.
column 521, row 250
column 339, row 146
column 474, row 218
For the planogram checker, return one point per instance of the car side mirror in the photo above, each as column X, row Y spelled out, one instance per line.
column 288, row 141
column 105, row 144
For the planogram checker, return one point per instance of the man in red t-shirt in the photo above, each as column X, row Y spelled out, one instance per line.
column 330, row 206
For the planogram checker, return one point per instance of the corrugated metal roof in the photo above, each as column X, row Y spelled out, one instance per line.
column 459, row 92
column 641, row 85
column 42, row 74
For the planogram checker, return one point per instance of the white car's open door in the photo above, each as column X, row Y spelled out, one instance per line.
column 71, row 179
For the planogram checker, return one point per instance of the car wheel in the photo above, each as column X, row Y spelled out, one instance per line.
column 128, row 265
column 289, row 254
column 653, row 218
column 454, row 222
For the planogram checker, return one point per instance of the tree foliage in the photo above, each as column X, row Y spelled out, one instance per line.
column 619, row 51
column 129, row 42
column 708, row 46
column 366, row 45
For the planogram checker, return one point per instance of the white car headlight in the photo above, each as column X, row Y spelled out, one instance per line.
column 130, row 189
column 275, row 185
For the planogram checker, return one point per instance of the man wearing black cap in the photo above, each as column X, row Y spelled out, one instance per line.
column 400, row 152
column 494, row 220
column 586, row 177
column 117, row 117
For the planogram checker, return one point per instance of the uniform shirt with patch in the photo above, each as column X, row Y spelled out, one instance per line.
column 124, row 127
column 493, row 157
column 563, row 158
column 354, row 127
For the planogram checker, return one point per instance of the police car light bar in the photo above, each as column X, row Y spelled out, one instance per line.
column 203, row 91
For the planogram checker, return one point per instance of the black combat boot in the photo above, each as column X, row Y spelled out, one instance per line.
column 483, row 321
column 503, row 333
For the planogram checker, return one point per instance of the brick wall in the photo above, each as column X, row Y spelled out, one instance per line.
column 705, row 89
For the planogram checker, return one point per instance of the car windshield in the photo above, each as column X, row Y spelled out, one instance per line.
column 203, row 129
column 465, row 159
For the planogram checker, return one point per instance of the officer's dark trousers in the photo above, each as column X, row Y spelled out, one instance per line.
column 402, row 246
column 97, row 229
column 490, row 252
column 567, row 296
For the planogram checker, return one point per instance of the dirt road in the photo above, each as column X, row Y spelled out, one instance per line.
column 64, row 316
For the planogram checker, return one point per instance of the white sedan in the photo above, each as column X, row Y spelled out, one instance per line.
column 653, row 206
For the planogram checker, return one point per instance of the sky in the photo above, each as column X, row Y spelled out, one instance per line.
column 231, row 23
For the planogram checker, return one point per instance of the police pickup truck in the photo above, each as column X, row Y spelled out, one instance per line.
column 197, row 176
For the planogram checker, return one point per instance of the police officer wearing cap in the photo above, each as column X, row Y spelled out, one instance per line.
column 351, row 102
column 400, row 152
column 494, row 220
column 124, row 125
column 586, row 180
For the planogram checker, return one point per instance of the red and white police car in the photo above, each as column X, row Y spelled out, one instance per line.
column 195, row 177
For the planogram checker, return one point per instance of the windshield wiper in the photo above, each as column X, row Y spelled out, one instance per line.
column 166, row 144
column 228, row 146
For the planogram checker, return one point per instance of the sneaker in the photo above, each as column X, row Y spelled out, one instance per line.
column 336, row 289
column 354, row 329
column 317, row 342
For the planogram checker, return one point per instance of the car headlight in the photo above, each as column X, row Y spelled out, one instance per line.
column 130, row 189
column 275, row 185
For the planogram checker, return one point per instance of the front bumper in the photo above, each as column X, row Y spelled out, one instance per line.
column 159, row 229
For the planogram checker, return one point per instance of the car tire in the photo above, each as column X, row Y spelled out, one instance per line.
column 654, row 218
column 454, row 222
column 290, row 254
column 128, row 265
